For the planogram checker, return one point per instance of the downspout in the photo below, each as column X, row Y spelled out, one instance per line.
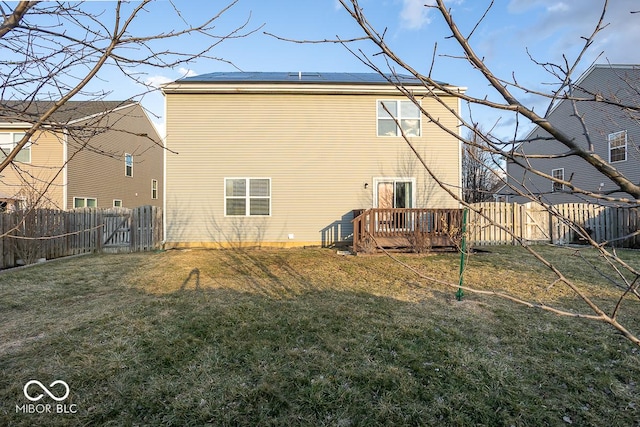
column 65, row 164
column 164, row 175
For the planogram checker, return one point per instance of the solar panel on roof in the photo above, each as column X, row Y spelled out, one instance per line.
column 300, row 76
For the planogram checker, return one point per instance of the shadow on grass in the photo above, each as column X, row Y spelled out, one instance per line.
column 244, row 339
column 195, row 273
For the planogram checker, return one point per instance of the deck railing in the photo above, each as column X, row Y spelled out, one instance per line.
column 398, row 227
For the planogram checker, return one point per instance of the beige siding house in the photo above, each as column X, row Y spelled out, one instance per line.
column 284, row 159
column 91, row 154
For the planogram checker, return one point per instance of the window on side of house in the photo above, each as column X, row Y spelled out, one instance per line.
column 247, row 196
column 9, row 140
column 85, row 202
column 557, row 174
column 128, row 164
column 618, row 146
column 154, row 188
column 117, row 203
column 390, row 113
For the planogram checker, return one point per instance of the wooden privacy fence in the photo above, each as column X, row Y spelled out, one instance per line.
column 28, row 236
column 534, row 223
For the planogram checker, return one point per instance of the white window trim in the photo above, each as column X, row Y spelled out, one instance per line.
column 125, row 165
column 155, row 188
column 613, row 135
column 377, row 180
column 85, row 201
column 246, row 197
column 27, row 145
column 398, row 118
column 554, row 183
column 117, row 200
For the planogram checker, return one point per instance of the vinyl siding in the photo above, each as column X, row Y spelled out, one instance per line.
column 600, row 121
column 46, row 163
column 318, row 150
column 99, row 172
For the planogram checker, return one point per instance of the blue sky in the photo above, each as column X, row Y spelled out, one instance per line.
column 513, row 30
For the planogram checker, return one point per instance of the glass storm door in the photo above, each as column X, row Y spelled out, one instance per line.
column 393, row 194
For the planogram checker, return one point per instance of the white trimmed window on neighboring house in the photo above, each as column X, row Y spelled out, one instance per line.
column 9, row 140
column 557, row 174
column 247, row 196
column 128, row 164
column 154, row 189
column 117, row 203
column 618, row 146
column 390, row 113
column 85, row 202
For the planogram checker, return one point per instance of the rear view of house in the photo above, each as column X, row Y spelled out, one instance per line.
column 285, row 159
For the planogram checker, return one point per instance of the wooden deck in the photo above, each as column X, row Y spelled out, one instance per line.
column 419, row 229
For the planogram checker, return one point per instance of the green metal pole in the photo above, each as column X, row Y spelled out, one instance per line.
column 463, row 251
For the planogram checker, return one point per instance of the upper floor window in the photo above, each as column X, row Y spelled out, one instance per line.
column 128, row 164
column 557, row 174
column 154, row 188
column 618, row 146
column 247, row 196
column 9, row 140
column 404, row 113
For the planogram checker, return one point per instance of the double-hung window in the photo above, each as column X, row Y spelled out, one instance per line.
column 8, row 141
column 85, row 202
column 128, row 164
column 154, row 188
column 395, row 117
column 557, row 174
column 247, row 196
column 618, row 146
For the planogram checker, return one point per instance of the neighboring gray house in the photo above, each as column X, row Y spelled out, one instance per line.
column 613, row 133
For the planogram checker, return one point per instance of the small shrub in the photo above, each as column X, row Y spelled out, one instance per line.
column 419, row 243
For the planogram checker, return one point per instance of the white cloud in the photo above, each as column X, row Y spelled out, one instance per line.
column 414, row 14
column 558, row 7
column 186, row 72
column 156, row 81
column 552, row 29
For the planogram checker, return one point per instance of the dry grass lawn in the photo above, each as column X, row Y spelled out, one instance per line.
column 309, row 337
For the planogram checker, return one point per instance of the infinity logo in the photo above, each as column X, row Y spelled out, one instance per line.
column 46, row 390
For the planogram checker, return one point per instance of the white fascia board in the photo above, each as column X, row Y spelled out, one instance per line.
column 292, row 88
column 14, row 125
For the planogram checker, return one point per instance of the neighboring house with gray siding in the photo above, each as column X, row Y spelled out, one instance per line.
column 283, row 159
column 88, row 154
column 611, row 132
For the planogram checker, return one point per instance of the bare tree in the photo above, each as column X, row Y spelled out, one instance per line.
column 55, row 57
column 56, row 51
column 509, row 99
column 480, row 170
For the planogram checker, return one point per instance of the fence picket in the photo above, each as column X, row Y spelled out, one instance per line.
column 64, row 233
column 534, row 223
